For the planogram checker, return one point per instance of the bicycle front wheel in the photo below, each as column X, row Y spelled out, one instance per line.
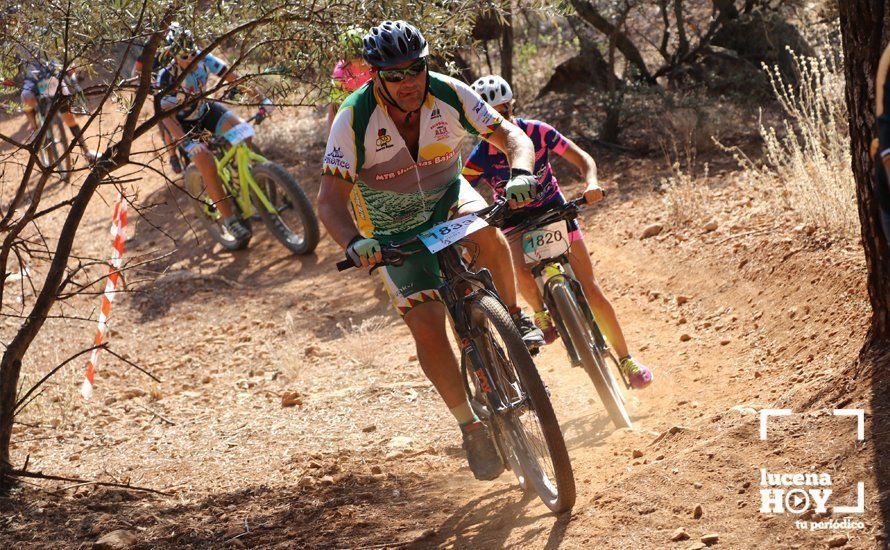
column 528, row 427
column 292, row 220
column 579, row 330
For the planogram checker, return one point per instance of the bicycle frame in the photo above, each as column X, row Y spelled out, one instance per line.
column 243, row 157
column 556, row 270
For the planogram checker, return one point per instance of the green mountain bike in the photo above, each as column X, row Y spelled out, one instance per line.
column 258, row 188
column 545, row 244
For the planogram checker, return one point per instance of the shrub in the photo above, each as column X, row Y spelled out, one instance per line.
column 809, row 154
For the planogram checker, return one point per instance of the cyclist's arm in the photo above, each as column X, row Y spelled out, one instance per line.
column 171, row 124
column 883, row 66
column 582, row 161
column 518, row 147
column 164, row 79
column 232, row 76
column 333, row 209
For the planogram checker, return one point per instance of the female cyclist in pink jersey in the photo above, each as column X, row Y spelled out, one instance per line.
column 487, row 163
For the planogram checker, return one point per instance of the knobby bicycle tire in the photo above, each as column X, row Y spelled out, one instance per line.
column 272, row 173
column 578, row 329
column 495, row 313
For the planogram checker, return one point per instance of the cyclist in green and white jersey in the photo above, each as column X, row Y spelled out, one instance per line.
column 392, row 169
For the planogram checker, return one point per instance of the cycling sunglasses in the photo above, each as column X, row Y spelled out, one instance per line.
column 398, row 75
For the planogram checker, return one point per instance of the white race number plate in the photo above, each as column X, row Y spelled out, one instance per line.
column 545, row 242
column 238, row 133
column 449, row 232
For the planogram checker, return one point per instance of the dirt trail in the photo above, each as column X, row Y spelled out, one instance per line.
column 369, row 457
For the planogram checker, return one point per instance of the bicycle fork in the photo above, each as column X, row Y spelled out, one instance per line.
column 547, row 275
column 472, row 357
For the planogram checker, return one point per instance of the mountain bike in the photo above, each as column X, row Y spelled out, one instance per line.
column 500, row 378
column 257, row 186
column 545, row 245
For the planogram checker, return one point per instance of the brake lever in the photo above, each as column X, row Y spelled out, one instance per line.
column 496, row 215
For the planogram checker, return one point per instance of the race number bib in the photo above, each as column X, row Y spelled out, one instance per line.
column 449, row 232
column 545, row 242
column 238, row 133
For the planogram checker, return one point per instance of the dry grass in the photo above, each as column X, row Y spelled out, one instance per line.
column 684, row 196
column 353, row 343
column 808, row 156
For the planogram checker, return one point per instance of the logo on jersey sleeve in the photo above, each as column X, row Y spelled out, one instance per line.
column 484, row 115
column 334, row 157
column 436, row 113
column 383, row 140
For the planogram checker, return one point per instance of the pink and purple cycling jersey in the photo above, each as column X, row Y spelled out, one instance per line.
column 487, row 163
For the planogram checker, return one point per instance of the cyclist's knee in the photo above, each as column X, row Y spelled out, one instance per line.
column 29, row 99
column 198, row 152
column 426, row 322
column 226, row 122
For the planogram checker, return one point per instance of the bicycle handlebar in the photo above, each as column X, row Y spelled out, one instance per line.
column 563, row 211
column 394, row 255
column 493, row 214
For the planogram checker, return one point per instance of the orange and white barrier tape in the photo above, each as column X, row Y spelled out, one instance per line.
column 118, row 233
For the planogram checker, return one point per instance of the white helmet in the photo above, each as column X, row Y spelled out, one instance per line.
column 493, row 89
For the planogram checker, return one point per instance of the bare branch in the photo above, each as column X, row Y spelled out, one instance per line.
column 40, row 475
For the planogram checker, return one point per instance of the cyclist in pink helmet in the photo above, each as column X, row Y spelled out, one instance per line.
column 351, row 73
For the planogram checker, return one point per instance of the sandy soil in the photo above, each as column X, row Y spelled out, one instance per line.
column 368, row 457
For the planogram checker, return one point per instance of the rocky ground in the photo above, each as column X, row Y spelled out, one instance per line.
column 292, row 411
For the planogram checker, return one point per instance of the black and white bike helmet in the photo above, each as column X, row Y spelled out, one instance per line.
column 393, row 42
column 493, row 89
column 179, row 39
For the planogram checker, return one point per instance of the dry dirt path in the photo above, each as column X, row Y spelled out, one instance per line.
column 368, row 456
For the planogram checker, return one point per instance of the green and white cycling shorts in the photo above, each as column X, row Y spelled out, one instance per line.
column 416, row 280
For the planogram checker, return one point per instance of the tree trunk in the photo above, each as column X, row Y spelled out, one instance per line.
column 862, row 25
column 11, row 364
column 116, row 156
column 588, row 12
column 507, row 45
column 610, row 131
